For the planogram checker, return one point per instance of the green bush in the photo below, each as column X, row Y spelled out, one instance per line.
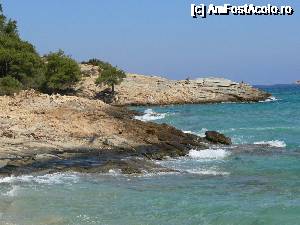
column 9, row 86
column 101, row 64
column 61, row 72
column 112, row 76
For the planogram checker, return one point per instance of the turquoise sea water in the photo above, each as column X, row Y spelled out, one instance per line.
column 214, row 187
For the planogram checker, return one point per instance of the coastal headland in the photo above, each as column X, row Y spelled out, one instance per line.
column 154, row 90
column 49, row 133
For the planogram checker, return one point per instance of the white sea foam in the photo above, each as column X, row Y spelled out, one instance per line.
column 276, row 143
column 270, row 99
column 201, row 133
column 208, row 172
column 115, row 172
column 55, row 178
column 209, row 154
column 13, row 192
column 150, row 115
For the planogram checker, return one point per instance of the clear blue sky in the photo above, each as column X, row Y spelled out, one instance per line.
column 160, row 38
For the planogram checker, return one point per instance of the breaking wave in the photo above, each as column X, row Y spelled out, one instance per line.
column 201, row 133
column 55, row 178
column 209, row 154
column 210, row 172
column 270, row 99
column 276, row 143
column 150, row 115
column 13, row 191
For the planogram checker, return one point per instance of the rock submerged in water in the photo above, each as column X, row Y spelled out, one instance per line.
column 217, row 138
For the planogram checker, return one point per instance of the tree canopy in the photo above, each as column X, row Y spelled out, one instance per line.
column 111, row 76
column 108, row 74
column 61, row 72
column 19, row 61
column 21, row 67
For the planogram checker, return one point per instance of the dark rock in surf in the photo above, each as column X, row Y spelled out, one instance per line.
column 217, row 138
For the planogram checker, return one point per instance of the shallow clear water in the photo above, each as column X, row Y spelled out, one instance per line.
column 214, row 187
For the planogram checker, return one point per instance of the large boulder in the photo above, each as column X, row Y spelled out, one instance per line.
column 218, row 138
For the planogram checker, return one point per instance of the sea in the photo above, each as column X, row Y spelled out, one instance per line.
column 216, row 186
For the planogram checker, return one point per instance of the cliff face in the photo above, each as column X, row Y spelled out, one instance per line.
column 152, row 90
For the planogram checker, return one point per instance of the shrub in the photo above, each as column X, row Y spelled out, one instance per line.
column 9, row 85
column 61, row 72
column 101, row 64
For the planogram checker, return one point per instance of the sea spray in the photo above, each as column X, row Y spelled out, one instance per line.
column 270, row 99
column 55, row 178
column 216, row 154
column 275, row 143
column 150, row 115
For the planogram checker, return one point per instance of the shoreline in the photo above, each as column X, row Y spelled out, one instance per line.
column 41, row 132
column 58, row 133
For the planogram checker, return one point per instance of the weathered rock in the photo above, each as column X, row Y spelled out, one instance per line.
column 45, row 157
column 3, row 163
column 153, row 90
column 218, row 138
column 50, row 132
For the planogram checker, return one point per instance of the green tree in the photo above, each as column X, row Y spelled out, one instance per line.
column 19, row 60
column 7, row 27
column 61, row 72
column 111, row 76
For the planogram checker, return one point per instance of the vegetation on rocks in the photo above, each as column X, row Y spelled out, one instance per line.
column 21, row 67
column 108, row 74
column 112, row 76
column 9, row 85
column 97, row 62
column 20, row 64
column 61, row 72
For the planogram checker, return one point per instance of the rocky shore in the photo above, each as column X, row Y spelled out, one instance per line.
column 153, row 90
column 58, row 133
column 50, row 133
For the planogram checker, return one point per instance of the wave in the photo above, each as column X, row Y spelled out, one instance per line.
column 276, row 143
column 150, row 115
column 263, row 128
column 13, row 192
column 270, row 99
column 55, row 178
column 208, row 172
column 201, row 133
column 114, row 172
column 209, row 154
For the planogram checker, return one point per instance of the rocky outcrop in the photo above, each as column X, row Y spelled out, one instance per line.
column 153, row 90
column 218, row 138
column 55, row 133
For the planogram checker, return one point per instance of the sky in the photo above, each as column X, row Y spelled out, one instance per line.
column 156, row 37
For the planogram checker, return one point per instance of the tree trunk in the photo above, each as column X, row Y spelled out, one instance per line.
column 113, row 89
